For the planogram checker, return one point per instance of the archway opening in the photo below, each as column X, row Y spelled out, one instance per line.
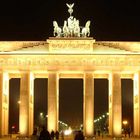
column 71, row 103
column 100, row 106
column 40, row 102
column 127, row 105
column 14, row 97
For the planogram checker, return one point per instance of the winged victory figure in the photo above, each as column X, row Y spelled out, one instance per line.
column 70, row 6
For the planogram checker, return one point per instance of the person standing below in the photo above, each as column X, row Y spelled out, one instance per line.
column 52, row 135
column 34, row 135
column 62, row 135
column 79, row 136
column 57, row 135
column 44, row 134
column 98, row 133
column 129, row 132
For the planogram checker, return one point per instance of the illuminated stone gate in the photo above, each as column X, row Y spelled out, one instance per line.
column 69, row 58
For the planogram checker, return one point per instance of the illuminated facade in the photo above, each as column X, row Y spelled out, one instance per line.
column 69, row 58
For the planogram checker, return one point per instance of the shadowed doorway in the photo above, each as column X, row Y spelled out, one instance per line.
column 71, row 102
column 40, row 101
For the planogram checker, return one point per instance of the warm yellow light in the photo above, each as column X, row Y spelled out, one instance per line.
column 19, row 102
column 41, row 114
column 52, row 122
column 70, row 46
column 117, row 127
column 125, row 122
column 31, row 84
column 68, row 131
column 136, row 83
column 5, row 83
column 23, row 124
column 89, row 127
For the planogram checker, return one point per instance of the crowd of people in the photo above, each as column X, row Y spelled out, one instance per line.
column 44, row 134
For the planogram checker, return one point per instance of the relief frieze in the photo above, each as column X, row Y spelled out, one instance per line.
column 69, row 60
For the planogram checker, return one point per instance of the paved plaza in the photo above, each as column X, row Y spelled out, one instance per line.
column 72, row 138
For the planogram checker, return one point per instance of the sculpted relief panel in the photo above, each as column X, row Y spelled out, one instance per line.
column 75, row 46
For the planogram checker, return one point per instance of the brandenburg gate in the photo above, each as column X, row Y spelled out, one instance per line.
column 69, row 57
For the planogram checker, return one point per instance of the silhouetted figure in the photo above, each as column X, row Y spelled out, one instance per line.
column 79, row 136
column 44, row 134
column 34, row 135
column 62, row 135
column 125, row 132
column 129, row 132
column 95, row 133
column 98, row 133
column 57, row 135
column 35, row 131
column 52, row 135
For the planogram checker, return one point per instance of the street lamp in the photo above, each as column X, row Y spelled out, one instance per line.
column 41, row 114
column 125, row 122
column 19, row 102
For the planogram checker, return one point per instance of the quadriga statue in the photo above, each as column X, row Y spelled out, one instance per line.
column 57, row 30
column 86, row 29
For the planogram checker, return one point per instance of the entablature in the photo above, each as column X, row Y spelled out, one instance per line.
column 101, row 74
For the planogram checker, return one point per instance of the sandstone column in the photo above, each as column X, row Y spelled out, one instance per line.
column 26, row 105
column 53, row 101
column 4, row 103
column 88, row 105
column 136, row 104
column 115, row 109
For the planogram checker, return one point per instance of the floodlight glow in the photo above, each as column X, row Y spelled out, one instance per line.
column 19, row 102
column 68, row 131
column 103, row 116
column 125, row 122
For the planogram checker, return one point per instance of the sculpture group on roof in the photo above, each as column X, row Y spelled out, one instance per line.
column 71, row 27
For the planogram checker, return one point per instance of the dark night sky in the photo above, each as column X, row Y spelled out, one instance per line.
column 32, row 20
column 116, row 20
